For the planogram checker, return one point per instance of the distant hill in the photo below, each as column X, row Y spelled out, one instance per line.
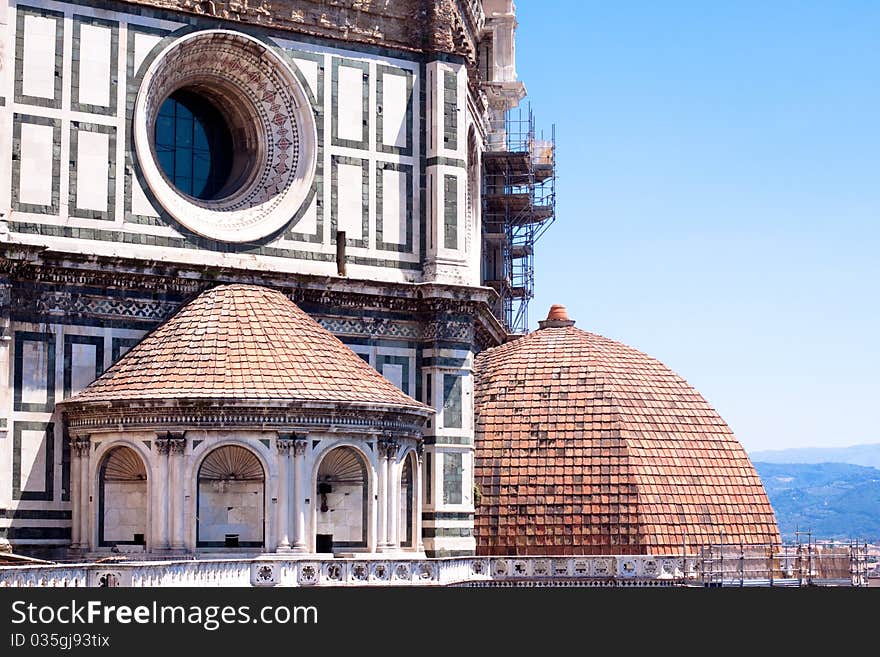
column 833, row 500
column 867, row 455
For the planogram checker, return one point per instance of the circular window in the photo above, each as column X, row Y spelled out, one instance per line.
column 224, row 135
column 194, row 145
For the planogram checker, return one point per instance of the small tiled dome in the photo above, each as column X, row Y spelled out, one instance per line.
column 587, row 446
column 244, row 343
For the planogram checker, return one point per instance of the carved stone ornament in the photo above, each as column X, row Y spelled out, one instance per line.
column 169, row 442
column 80, row 445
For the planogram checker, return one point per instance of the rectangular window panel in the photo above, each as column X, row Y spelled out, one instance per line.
column 393, row 373
column 83, row 361
column 452, row 478
column 450, row 110
column 450, row 210
column 33, row 461
column 34, row 382
column 429, row 475
column 452, row 415
column 121, row 346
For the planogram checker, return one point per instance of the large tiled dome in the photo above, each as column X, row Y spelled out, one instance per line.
column 587, row 446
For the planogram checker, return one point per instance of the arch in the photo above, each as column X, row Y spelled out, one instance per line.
column 406, row 525
column 231, row 498
column 341, row 489
column 123, row 497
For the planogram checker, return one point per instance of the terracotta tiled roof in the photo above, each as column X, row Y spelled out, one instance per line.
column 587, row 446
column 243, row 342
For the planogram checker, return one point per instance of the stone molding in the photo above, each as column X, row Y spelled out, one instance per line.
column 84, row 418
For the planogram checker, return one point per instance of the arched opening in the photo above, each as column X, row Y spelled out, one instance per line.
column 122, row 498
column 231, row 499
column 342, row 501
column 407, row 480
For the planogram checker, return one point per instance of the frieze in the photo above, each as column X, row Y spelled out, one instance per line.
column 66, row 303
column 170, row 285
column 82, row 419
column 370, row 326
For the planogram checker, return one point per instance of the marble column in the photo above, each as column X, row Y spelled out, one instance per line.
column 300, row 492
column 382, row 506
column 393, row 538
column 283, row 446
column 84, row 448
column 161, row 492
column 417, row 544
column 75, row 498
column 177, row 447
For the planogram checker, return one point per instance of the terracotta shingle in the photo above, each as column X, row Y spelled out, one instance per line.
column 587, row 446
column 243, row 342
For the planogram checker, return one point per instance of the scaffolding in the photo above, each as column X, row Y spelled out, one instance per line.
column 796, row 564
column 519, row 204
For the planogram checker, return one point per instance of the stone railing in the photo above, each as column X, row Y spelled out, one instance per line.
column 274, row 571
column 476, row 15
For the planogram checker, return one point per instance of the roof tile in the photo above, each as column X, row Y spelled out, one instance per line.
column 243, row 342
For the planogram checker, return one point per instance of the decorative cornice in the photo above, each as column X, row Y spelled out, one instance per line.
column 131, row 416
column 158, row 289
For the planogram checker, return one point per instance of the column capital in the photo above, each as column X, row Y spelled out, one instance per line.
column 299, row 446
column 80, row 445
column 388, row 448
column 420, row 449
column 171, row 442
column 284, row 445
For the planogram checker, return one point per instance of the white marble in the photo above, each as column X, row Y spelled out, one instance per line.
column 351, row 103
column 394, row 196
column 93, row 156
column 94, row 65
column 350, row 201
column 37, row 157
column 394, row 103
column 38, row 62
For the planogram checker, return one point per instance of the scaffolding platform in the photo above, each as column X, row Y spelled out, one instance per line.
column 519, row 203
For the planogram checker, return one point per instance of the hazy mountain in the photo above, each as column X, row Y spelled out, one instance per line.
column 868, row 455
column 833, row 500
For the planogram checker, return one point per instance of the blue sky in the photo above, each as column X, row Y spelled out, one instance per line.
column 719, row 199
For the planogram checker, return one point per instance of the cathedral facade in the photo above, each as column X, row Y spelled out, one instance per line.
column 154, row 150
column 264, row 274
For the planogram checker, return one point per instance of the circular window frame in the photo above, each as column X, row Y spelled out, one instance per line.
column 273, row 126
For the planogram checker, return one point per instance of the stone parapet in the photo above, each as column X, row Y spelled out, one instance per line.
column 416, row 25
